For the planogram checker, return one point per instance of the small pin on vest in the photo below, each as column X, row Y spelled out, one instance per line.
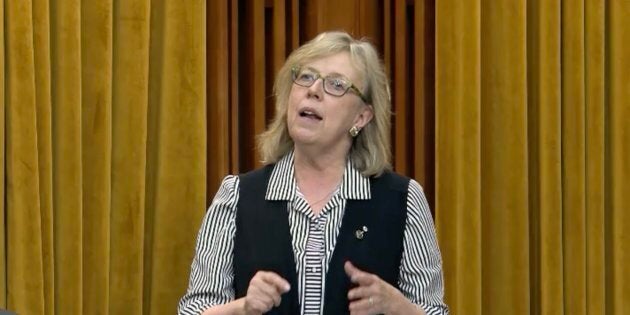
column 360, row 233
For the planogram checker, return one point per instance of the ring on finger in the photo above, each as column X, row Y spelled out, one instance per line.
column 371, row 301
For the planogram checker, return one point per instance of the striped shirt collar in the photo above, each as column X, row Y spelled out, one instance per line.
column 282, row 184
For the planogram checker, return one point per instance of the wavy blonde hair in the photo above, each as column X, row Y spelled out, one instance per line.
column 370, row 151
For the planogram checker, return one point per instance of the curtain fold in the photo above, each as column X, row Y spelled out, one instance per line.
column 129, row 137
column 177, row 148
column 104, row 155
column 23, row 220
column 544, row 230
column 617, row 155
column 42, row 53
column 504, row 165
column 594, row 125
column 544, row 146
column 458, row 152
column 573, row 156
column 3, row 253
column 96, row 119
column 65, row 55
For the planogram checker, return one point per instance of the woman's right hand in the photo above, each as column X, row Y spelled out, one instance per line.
column 264, row 292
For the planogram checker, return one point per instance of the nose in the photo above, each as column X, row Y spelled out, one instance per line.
column 317, row 89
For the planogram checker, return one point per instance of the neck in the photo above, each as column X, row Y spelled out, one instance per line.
column 322, row 158
column 318, row 176
column 322, row 165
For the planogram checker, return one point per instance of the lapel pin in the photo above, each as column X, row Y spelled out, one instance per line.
column 360, row 233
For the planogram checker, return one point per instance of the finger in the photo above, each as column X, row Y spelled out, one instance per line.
column 257, row 296
column 268, row 294
column 360, row 292
column 255, row 303
column 279, row 283
column 357, row 275
column 362, row 306
column 272, row 293
column 264, row 291
column 261, row 290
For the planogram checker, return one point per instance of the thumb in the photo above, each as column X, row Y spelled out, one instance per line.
column 350, row 269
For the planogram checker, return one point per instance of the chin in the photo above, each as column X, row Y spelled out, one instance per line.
column 300, row 135
column 301, row 140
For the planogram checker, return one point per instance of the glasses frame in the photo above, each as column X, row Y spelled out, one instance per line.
column 296, row 70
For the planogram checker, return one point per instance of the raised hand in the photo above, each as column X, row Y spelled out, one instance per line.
column 372, row 295
column 264, row 292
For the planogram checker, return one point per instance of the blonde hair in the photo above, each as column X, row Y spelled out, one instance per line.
column 370, row 152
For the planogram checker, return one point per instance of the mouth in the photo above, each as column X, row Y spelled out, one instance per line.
column 309, row 113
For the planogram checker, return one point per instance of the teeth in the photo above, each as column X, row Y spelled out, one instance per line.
column 309, row 113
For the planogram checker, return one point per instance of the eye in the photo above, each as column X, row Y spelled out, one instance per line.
column 337, row 84
column 306, row 76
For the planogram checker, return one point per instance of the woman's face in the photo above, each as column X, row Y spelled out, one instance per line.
column 315, row 117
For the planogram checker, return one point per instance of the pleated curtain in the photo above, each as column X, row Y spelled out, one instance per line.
column 104, row 151
column 533, row 155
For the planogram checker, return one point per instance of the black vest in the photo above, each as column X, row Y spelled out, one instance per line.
column 263, row 239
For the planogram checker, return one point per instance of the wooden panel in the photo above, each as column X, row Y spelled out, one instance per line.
column 369, row 22
column 251, row 81
column 257, row 35
column 218, row 95
column 293, row 25
column 257, row 68
column 234, row 148
column 387, row 37
column 311, row 17
column 424, row 96
column 275, row 24
column 400, row 89
column 339, row 16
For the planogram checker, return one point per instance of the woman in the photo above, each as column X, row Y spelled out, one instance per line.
column 324, row 227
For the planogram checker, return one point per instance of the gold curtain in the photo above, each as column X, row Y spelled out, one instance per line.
column 104, row 153
column 533, row 155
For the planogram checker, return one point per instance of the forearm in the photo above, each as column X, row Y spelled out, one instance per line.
column 235, row 307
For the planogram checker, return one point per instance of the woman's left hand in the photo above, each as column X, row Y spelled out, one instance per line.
column 372, row 295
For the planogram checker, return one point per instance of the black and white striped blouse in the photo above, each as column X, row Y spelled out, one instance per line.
column 313, row 239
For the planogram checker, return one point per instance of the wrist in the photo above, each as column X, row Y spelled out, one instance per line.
column 400, row 305
column 240, row 307
column 236, row 307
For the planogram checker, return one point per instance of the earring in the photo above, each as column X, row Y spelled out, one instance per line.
column 354, row 131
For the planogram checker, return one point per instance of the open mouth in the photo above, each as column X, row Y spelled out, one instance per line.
column 307, row 113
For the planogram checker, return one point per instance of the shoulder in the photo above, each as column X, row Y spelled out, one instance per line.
column 392, row 181
column 258, row 173
column 415, row 188
column 227, row 194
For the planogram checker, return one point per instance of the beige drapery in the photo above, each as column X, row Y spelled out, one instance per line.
column 532, row 155
column 104, row 153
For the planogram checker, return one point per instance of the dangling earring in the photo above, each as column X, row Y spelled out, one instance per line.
column 354, row 131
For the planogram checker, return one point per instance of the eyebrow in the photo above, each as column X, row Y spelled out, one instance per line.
column 330, row 74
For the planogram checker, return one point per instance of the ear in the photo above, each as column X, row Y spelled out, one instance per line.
column 364, row 116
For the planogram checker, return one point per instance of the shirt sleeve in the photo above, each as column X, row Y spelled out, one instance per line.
column 421, row 265
column 212, row 273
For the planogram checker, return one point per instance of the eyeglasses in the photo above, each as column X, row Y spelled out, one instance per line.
column 335, row 85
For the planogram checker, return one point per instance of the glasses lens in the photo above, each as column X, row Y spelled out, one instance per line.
column 333, row 84
column 336, row 86
column 304, row 77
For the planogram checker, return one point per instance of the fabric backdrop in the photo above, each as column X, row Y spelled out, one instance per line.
column 532, row 155
column 104, row 150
